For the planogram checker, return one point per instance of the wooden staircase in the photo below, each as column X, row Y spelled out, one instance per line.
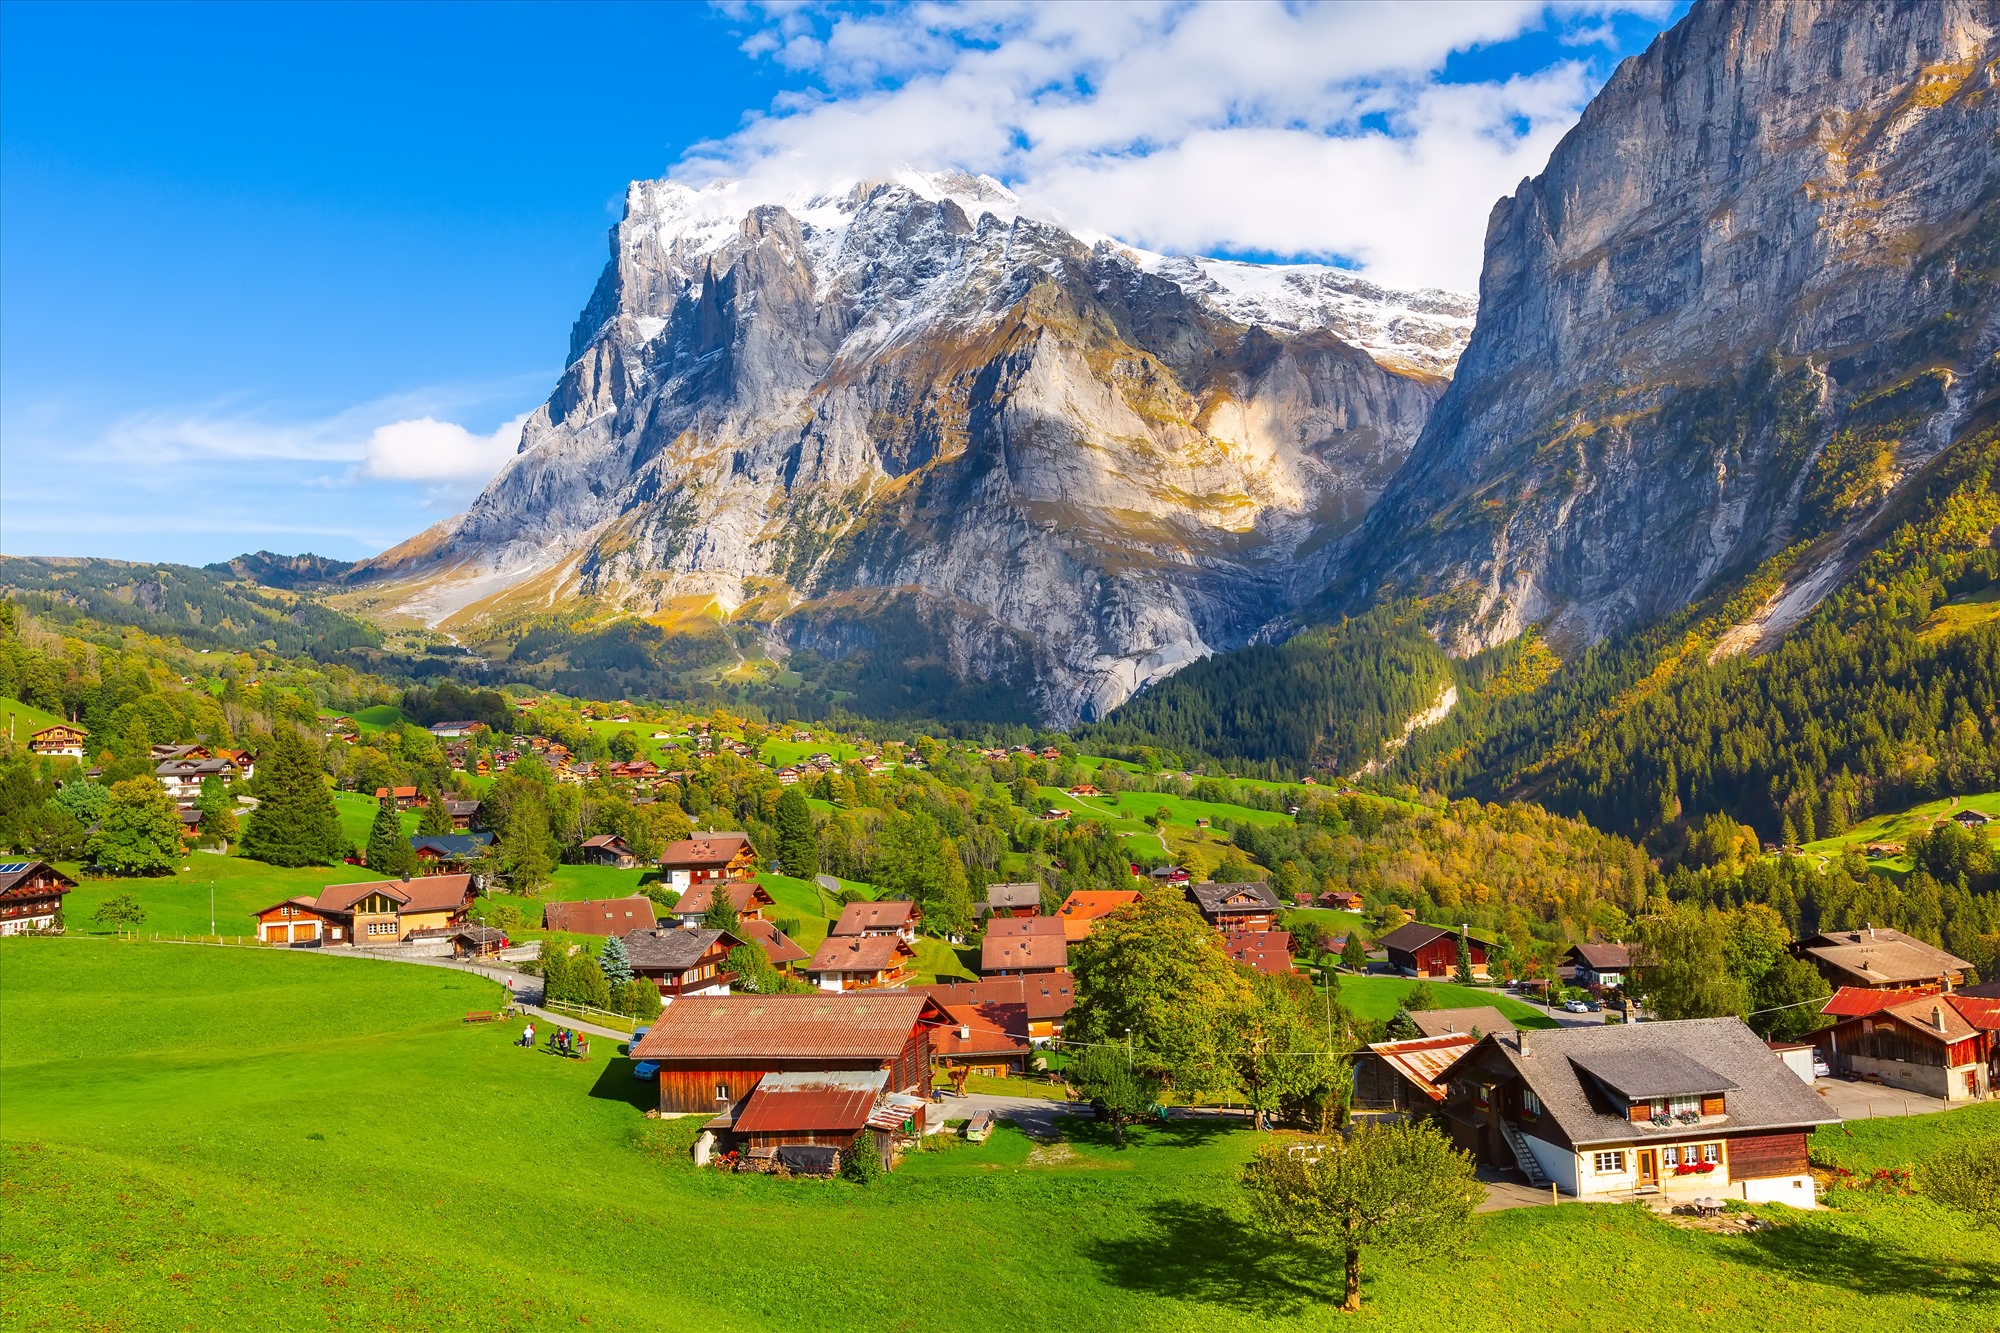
column 1530, row 1168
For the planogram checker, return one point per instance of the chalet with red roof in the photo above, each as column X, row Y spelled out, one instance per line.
column 747, row 898
column 1266, row 951
column 1025, row 947
column 1085, row 907
column 600, row 916
column 708, row 858
column 1923, row 1039
column 1046, row 997
column 861, row 962
column 31, row 894
column 889, row 916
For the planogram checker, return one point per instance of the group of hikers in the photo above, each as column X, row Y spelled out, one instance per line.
column 562, row 1042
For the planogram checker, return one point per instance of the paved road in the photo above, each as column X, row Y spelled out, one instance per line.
column 1865, row 1101
column 1032, row 1114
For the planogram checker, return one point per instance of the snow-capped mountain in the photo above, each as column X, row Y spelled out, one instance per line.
column 910, row 416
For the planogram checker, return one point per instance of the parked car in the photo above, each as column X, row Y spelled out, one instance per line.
column 1821, row 1069
column 638, row 1035
column 1575, row 1007
column 646, row 1070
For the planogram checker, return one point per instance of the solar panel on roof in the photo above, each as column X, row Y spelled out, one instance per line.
column 13, row 866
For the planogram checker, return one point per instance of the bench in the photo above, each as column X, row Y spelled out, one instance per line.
column 480, row 1016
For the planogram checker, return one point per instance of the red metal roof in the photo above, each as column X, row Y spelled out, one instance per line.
column 832, row 1110
column 1269, row 951
column 1979, row 1011
column 873, row 1025
column 1861, row 1001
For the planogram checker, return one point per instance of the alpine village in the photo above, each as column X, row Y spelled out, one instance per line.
column 1563, row 892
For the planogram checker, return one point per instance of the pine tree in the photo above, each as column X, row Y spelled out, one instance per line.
column 798, row 845
column 616, row 967
column 1402, row 1027
column 721, row 914
column 1354, row 953
column 436, row 820
column 1464, row 977
column 294, row 823
column 389, row 851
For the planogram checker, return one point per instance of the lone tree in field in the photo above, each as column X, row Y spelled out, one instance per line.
column 121, row 913
column 798, row 845
column 1118, row 1091
column 294, row 823
column 1395, row 1186
column 389, row 851
column 140, row 833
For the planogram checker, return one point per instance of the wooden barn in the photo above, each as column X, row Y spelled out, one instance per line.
column 714, row 1051
column 1432, row 951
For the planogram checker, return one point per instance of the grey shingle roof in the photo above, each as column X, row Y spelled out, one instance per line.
column 1765, row 1094
column 667, row 950
column 1212, row 897
column 1642, row 1075
column 1437, row 1022
column 1014, row 895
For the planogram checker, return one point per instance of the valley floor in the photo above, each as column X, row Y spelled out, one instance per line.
column 204, row 1138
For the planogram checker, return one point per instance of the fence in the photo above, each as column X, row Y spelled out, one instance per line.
column 591, row 1014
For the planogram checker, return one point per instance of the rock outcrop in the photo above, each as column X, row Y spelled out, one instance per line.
column 1073, row 466
column 1756, row 288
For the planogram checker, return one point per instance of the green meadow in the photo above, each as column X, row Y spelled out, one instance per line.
column 1899, row 826
column 206, row 1138
column 1380, row 997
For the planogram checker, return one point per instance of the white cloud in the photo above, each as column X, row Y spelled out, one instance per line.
column 427, row 449
column 1245, row 127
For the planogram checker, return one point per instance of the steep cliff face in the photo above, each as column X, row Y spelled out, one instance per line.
column 1075, row 466
column 1757, row 288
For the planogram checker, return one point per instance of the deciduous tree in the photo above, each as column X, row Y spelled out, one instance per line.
column 1118, row 1087
column 140, row 833
column 1394, row 1186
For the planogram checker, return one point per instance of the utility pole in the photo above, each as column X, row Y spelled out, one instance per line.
column 1128, row 1050
column 211, row 909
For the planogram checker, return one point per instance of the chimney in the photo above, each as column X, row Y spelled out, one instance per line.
column 965, row 1032
column 1937, row 1017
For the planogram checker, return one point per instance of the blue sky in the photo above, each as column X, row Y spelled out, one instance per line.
column 281, row 276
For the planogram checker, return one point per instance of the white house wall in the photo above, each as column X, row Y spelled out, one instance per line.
column 1558, row 1164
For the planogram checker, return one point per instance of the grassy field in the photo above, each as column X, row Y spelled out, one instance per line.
column 1380, row 997
column 178, row 904
column 357, row 817
column 24, row 720
column 296, row 1141
column 1901, row 825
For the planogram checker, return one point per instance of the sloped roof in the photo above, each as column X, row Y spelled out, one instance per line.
column 1766, row 1093
column 888, row 914
column 1880, row 956
column 452, row 846
column 1012, row 927
column 607, row 840
column 669, row 949
column 1039, row 953
column 1935, row 1017
column 859, row 953
column 599, row 916
column 342, row 897
column 779, row 947
column 704, row 850
column 805, row 1102
column 869, row 1026
column 1639, row 1076
column 15, row 873
column 1253, row 897
column 1085, row 906
column 1269, row 951
column 1438, row 1022
column 1414, row 935
column 1014, row 895
column 743, row 894
column 1423, row 1060
column 1047, row 996
column 1603, row 957
column 994, row 1027
column 1861, row 1001
column 1981, row 1012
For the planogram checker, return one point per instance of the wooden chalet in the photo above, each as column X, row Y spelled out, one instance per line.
column 1600, row 967
column 1341, row 900
column 713, row 1052
column 1013, row 900
column 889, row 916
column 607, row 849
column 1025, row 947
column 1236, row 906
column 1695, row 1107
column 600, row 916
column 1047, row 997
column 406, row 798
column 988, row 1037
column 746, row 897
column 31, row 894
column 1083, row 908
column 708, row 858
column 373, row 912
column 1922, row 1039
column 1266, row 951
column 681, row 961
column 464, row 814
column 1421, row 950
column 1878, row 958
column 183, row 776
column 61, row 741
column 861, row 962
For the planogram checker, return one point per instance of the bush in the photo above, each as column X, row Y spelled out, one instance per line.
column 1966, row 1176
column 861, row 1163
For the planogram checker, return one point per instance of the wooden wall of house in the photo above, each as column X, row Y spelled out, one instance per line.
column 1892, row 1041
column 1756, row 1156
column 693, row 1088
column 912, row 1069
